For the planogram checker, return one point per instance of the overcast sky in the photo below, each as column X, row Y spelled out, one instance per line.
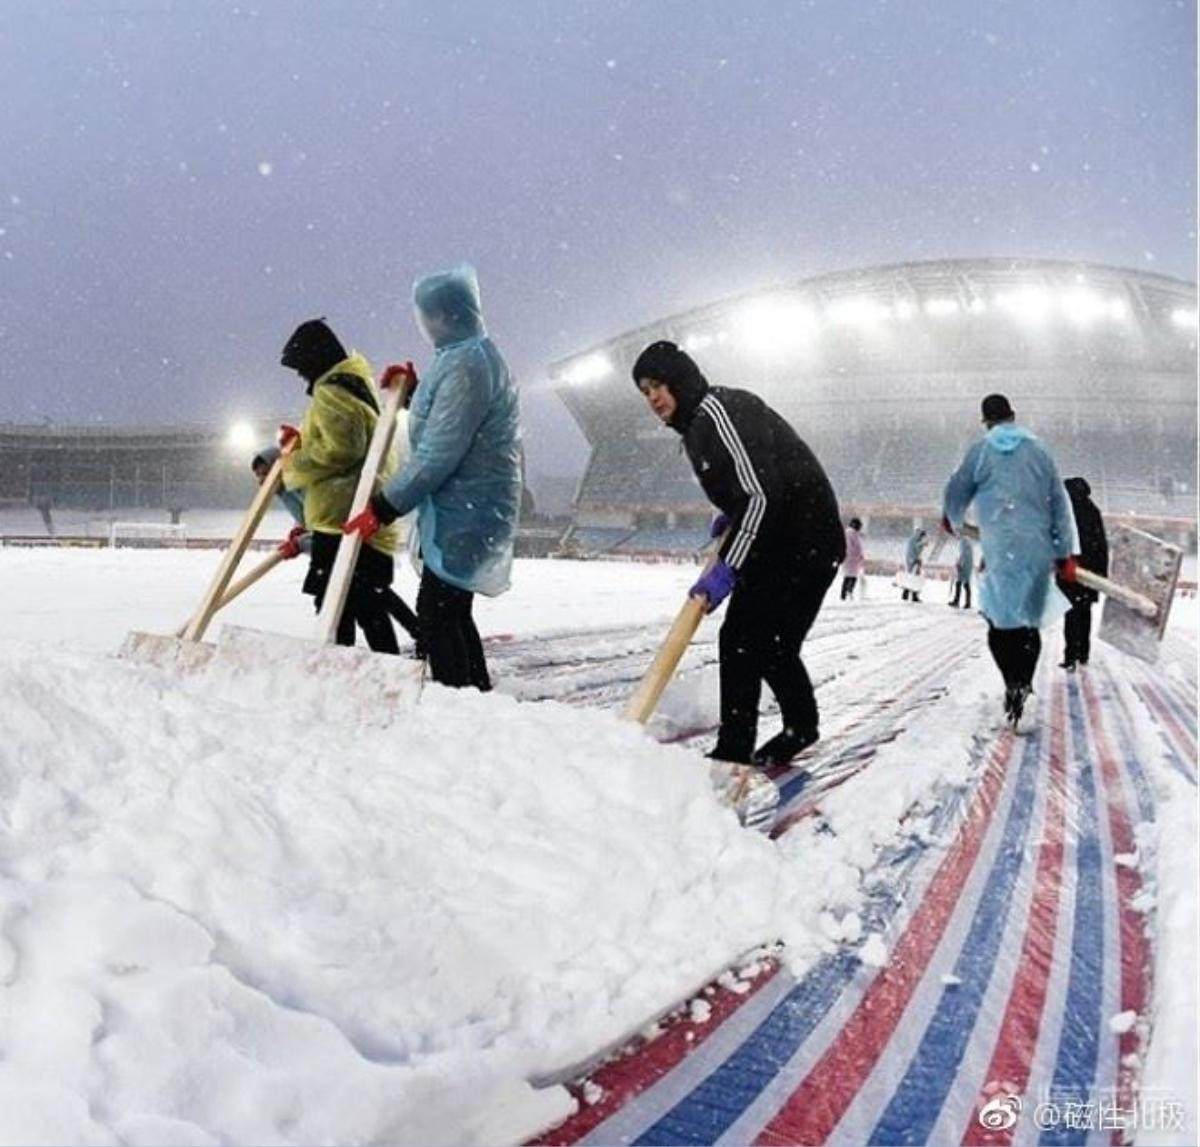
column 181, row 183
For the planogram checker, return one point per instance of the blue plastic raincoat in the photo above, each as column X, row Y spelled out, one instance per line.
column 966, row 559
column 912, row 551
column 463, row 474
column 1025, row 523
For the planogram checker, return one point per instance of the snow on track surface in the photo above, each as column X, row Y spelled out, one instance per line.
column 386, row 928
column 1008, row 945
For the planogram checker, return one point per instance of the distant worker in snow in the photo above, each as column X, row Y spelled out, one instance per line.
column 852, row 567
column 914, row 551
column 964, row 566
column 1025, row 529
column 784, row 542
column 299, row 541
column 463, row 476
column 324, row 469
column 1092, row 555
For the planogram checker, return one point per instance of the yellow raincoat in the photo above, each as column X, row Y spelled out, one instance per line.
column 334, row 438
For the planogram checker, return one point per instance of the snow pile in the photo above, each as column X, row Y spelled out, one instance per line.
column 227, row 920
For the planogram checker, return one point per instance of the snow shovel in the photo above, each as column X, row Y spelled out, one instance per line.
column 1131, row 599
column 1142, row 560
column 397, row 396
column 751, row 794
column 161, row 649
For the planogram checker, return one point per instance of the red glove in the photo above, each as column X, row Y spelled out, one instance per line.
column 1067, row 569
column 947, row 526
column 365, row 524
column 404, row 376
column 288, row 435
column 290, row 546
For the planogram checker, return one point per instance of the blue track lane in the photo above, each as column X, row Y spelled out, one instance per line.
column 1079, row 1043
column 917, row 1101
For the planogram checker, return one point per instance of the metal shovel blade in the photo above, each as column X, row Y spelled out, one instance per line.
column 752, row 795
column 172, row 654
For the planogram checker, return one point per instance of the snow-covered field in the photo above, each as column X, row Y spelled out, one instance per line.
column 249, row 904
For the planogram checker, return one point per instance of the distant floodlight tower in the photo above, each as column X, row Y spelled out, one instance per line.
column 241, row 437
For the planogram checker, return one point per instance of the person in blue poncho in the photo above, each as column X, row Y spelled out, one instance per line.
column 963, row 567
column 1026, row 530
column 914, row 560
column 463, row 476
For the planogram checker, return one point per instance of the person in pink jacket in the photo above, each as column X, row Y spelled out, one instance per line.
column 852, row 567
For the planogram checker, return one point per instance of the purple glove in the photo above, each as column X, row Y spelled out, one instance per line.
column 716, row 584
column 718, row 526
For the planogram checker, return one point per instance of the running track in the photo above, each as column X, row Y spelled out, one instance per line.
column 1012, row 942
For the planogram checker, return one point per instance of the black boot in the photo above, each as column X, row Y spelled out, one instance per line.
column 717, row 753
column 784, row 746
column 1014, row 703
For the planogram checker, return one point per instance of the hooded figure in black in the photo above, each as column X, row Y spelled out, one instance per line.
column 1093, row 555
column 783, row 543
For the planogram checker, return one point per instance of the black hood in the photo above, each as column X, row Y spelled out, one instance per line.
column 313, row 350
column 1078, row 489
column 676, row 369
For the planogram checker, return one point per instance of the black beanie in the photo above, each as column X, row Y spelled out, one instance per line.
column 668, row 364
column 677, row 370
column 995, row 408
column 312, row 350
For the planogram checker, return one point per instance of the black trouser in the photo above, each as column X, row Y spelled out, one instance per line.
column 1016, row 653
column 367, row 600
column 398, row 608
column 848, row 584
column 1078, row 629
column 449, row 635
column 765, row 624
column 960, row 586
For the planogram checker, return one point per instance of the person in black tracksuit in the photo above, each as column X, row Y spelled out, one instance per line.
column 1093, row 555
column 784, row 542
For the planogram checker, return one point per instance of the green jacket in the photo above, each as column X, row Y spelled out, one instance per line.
column 334, row 438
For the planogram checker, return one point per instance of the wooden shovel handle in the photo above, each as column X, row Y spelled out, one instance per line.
column 349, row 546
column 211, row 601
column 243, row 583
column 641, row 705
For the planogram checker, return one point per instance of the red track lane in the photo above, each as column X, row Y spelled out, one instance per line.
column 808, row 807
column 643, row 1064
column 623, row 1079
column 1184, row 741
column 813, row 1110
column 1017, row 1040
column 1135, row 957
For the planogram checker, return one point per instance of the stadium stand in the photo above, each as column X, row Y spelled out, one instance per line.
column 881, row 370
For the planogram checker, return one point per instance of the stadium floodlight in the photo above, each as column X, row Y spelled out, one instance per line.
column 978, row 306
column 858, row 311
column 941, row 308
column 698, row 341
column 1081, row 305
column 590, row 368
column 1118, row 309
column 1029, row 304
column 904, row 310
column 1184, row 318
column 774, row 327
column 242, row 437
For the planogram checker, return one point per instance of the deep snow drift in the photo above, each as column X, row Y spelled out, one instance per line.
column 242, row 905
